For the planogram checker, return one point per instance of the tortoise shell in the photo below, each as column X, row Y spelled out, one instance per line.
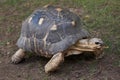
column 50, row 30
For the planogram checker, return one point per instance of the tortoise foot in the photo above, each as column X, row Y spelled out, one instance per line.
column 54, row 62
column 18, row 56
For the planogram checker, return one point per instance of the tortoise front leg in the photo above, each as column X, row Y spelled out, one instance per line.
column 18, row 56
column 54, row 62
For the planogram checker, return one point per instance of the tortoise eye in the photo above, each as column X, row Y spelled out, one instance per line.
column 97, row 43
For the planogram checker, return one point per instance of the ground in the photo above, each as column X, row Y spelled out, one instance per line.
column 102, row 19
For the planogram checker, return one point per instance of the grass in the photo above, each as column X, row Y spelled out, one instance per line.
column 101, row 17
column 3, row 43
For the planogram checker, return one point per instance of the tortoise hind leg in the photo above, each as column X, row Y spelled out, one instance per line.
column 18, row 56
column 54, row 62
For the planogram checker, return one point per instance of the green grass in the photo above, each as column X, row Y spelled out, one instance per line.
column 10, row 29
column 2, row 43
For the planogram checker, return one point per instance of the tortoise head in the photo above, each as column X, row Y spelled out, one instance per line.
column 96, row 41
column 91, row 43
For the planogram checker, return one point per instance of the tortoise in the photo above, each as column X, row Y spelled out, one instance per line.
column 55, row 33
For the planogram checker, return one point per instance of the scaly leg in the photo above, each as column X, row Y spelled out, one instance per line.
column 18, row 56
column 54, row 62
